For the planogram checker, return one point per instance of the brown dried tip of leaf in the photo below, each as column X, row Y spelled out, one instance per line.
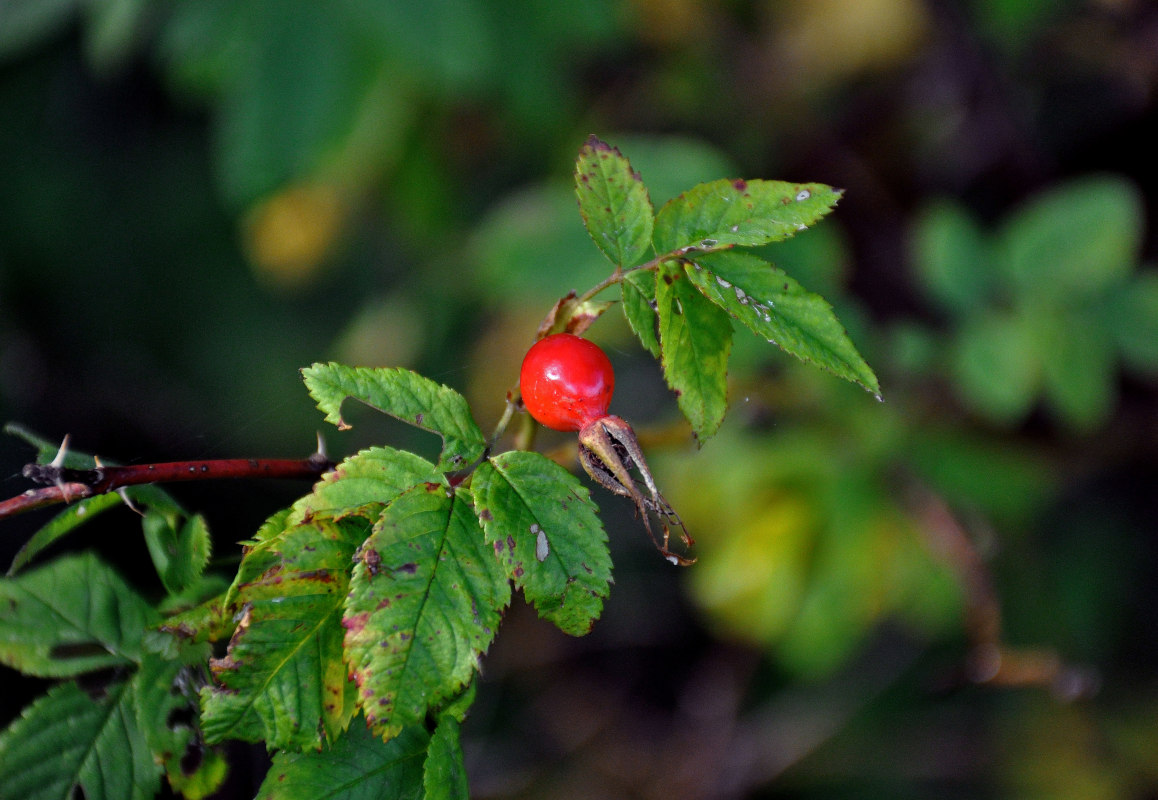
column 595, row 143
column 608, row 451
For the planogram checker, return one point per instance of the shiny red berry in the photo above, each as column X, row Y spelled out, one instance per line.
column 566, row 382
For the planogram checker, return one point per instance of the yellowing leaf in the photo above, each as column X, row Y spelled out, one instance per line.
column 289, row 235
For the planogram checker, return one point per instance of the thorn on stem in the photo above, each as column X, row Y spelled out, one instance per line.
column 124, row 493
column 58, row 461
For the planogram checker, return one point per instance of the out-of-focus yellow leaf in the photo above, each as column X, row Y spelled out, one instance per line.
column 669, row 22
column 751, row 581
column 825, row 41
column 289, row 235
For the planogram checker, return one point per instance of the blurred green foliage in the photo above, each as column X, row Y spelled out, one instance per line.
column 200, row 198
column 1042, row 307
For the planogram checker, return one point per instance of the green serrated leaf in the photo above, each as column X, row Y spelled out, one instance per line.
column 283, row 679
column 673, row 163
column 165, row 715
column 546, row 532
column 953, row 258
column 1075, row 240
column 778, row 309
column 695, row 337
column 458, row 706
column 47, row 450
column 358, row 766
column 204, row 780
column 406, row 395
column 68, row 741
column 613, row 203
column 726, row 213
column 204, row 622
column 638, row 293
column 258, row 555
column 444, row 776
column 211, row 585
column 179, row 548
column 61, row 525
column 375, row 475
column 71, row 616
column 423, row 605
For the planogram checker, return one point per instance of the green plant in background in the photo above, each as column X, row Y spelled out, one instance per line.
column 1045, row 307
column 375, row 595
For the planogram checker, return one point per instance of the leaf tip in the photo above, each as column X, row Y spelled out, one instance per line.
column 595, row 143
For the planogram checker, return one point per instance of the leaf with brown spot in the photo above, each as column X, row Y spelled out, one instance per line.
column 446, row 591
column 613, row 203
column 284, row 680
column 726, row 213
column 524, row 494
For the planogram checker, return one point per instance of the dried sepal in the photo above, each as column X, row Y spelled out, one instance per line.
column 570, row 316
column 608, row 451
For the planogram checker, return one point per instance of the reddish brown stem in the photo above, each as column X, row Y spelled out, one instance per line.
column 63, row 485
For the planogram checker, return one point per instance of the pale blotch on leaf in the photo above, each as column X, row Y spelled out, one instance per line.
column 542, row 547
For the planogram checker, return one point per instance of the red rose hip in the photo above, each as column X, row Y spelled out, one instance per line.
column 566, row 382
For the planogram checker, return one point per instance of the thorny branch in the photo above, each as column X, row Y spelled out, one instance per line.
column 60, row 484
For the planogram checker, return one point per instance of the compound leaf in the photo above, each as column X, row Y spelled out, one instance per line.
column 777, row 308
column 424, row 604
column 405, row 395
column 695, row 337
column 546, row 532
column 725, row 213
column 68, row 740
column 358, row 766
column 638, row 293
column 613, row 203
column 71, row 616
column 283, row 679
